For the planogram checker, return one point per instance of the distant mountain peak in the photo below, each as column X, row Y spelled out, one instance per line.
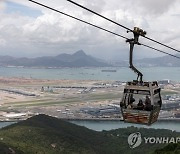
column 78, row 59
column 80, row 53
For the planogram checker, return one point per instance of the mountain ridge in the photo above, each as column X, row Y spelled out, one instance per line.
column 81, row 59
column 49, row 135
column 160, row 61
column 78, row 59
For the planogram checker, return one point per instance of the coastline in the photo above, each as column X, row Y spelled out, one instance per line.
column 97, row 119
column 99, row 124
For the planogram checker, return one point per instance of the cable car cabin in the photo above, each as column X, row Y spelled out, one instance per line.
column 141, row 103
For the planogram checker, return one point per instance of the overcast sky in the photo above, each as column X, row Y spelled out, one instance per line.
column 30, row 30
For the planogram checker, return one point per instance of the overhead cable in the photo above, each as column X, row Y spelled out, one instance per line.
column 159, row 50
column 99, row 27
column 78, row 19
column 121, row 25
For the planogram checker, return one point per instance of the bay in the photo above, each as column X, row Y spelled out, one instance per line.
column 109, row 125
column 4, row 124
column 121, row 74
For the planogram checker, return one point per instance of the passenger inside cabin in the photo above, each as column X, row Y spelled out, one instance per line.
column 130, row 105
column 140, row 105
column 148, row 106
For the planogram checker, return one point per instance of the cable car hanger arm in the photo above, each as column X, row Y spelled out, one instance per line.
column 140, row 75
column 137, row 32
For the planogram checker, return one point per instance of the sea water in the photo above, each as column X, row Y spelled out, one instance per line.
column 109, row 125
column 121, row 74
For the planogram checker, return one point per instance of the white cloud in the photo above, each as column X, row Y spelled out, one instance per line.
column 52, row 33
column 2, row 42
column 155, row 7
column 2, row 6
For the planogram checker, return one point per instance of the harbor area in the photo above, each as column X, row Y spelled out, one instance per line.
column 21, row 98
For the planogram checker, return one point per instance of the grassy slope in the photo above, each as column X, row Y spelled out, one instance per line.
column 169, row 149
column 8, row 149
column 39, row 133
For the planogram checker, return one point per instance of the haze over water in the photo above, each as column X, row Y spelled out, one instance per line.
column 122, row 73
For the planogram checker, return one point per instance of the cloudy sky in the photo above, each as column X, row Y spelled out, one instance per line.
column 30, row 30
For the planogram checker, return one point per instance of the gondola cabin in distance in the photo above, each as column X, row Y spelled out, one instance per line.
column 141, row 101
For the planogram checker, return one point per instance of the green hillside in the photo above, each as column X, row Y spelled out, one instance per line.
column 169, row 149
column 47, row 135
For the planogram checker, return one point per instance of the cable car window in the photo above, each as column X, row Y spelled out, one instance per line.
column 135, row 101
column 142, row 92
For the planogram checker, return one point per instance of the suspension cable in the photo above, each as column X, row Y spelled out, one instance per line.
column 99, row 27
column 153, row 40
